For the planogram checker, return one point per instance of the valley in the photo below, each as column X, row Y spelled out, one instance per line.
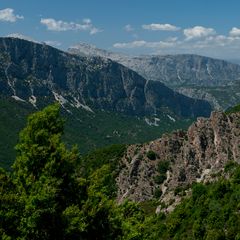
column 144, row 151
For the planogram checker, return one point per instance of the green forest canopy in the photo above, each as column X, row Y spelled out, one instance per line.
column 54, row 193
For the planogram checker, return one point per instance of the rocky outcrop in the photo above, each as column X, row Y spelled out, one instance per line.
column 191, row 156
column 38, row 73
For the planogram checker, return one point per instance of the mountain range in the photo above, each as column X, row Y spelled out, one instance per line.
column 33, row 72
column 193, row 75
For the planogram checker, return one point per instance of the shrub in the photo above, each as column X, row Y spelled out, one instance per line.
column 163, row 167
column 151, row 155
column 158, row 193
column 159, row 179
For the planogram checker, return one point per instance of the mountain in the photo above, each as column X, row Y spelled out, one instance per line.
column 195, row 76
column 166, row 168
column 103, row 102
column 35, row 73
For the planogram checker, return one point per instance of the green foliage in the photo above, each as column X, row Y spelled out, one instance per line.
column 9, row 206
column 45, row 176
column 86, row 129
column 162, row 169
column 159, row 179
column 12, row 119
column 230, row 166
column 210, row 213
column 151, row 155
column 158, row 192
column 163, row 166
column 234, row 109
column 97, row 158
column 53, row 193
column 46, row 197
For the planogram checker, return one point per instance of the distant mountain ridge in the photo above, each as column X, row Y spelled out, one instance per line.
column 189, row 74
column 37, row 73
column 173, row 70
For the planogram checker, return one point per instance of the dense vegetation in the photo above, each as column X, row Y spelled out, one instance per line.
column 233, row 109
column 47, row 197
column 86, row 129
column 54, row 193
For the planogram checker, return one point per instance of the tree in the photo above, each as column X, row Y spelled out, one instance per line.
column 45, row 176
column 9, row 207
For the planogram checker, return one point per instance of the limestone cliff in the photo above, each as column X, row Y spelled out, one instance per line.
column 191, row 156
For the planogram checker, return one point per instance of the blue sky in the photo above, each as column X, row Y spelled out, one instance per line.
column 206, row 27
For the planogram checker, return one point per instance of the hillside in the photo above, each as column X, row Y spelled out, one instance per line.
column 166, row 167
column 86, row 129
column 54, row 193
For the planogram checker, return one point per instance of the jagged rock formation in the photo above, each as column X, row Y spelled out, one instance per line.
column 193, row 156
column 36, row 73
column 189, row 74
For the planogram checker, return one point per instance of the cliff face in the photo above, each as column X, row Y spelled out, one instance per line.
column 192, row 156
column 35, row 73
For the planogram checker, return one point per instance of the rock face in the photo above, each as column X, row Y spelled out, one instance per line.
column 193, row 75
column 192, row 156
column 36, row 73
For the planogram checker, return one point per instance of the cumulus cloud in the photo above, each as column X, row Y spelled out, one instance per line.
column 59, row 25
column 160, row 27
column 128, row 28
column 196, row 40
column 7, row 15
column 235, row 32
column 198, row 32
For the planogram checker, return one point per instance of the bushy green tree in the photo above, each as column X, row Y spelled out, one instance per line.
column 9, row 207
column 46, row 197
column 45, row 176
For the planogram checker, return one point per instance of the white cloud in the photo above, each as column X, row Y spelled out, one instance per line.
column 196, row 40
column 145, row 44
column 128, row 28
column 160, row 27
column 133, row 44
column 235, row 32
column 7, row 15
column 54, row 25
column 198, row 32
column 53, row 43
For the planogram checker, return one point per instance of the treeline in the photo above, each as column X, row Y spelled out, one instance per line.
column 54, row 193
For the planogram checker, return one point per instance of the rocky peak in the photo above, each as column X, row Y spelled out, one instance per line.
column 86, row 49
column 180, row 159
